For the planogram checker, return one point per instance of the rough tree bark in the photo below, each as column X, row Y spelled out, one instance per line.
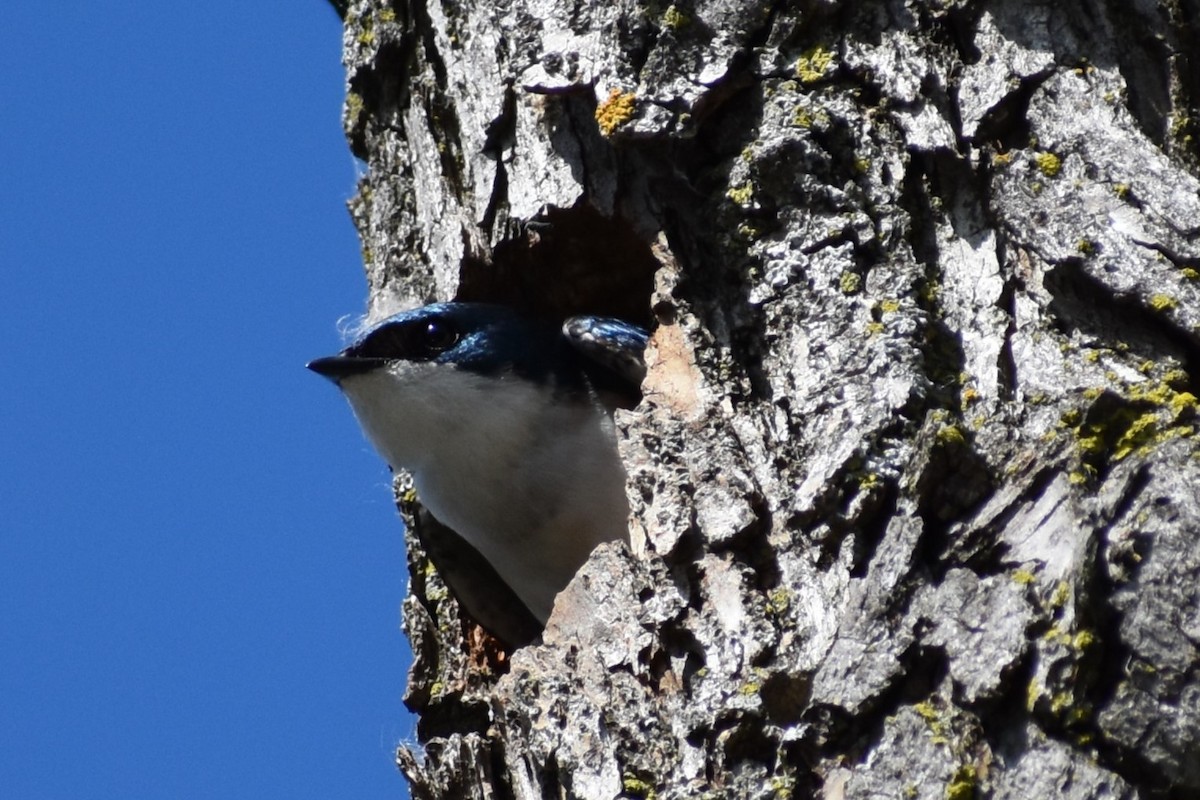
column 914, row 482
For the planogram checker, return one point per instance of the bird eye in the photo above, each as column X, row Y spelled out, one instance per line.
column 408, row 340
column 438, row 336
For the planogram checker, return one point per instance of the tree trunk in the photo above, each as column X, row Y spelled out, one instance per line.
column 914, row 482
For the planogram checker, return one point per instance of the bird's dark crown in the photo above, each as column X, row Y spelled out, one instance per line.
column 477, row 337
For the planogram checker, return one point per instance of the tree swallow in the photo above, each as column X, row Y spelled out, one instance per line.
column 505, row 423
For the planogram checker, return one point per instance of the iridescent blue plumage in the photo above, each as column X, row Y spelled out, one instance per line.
column 488, row 339
column 611, row 343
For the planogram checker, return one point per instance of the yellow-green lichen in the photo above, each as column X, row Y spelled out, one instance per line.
column 1085, row 247
column 813, row 64
column 1121, row 190
column 1002, row 159
column 874, row 328
column 354, row 106
column 1175, row 378
column 1163, row 302
column 1024, row 577
column 783, row 786
column 1190, row 273
column 962, row 785
column 633, row 786
column 1140, row 433
column 1183, row 404
column 1155, row 411
column 1033, row 693
column 1146, row 414
column 750, row 231
column 803, row 117
column 1161, row 393
column 1048, row 163
column 1181, row 127
column 1070, row 418
column 675, row 19
column 950, row 434
column 779, row 600
column 850, row 282
column 437, row 593
column 1056, row 635
column 933, row 719
column 615, row 110
column 387, row 15
column 742, row 195
column 1090, row 439
column 888, row 306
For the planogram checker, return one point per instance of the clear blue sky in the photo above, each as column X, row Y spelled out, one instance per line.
column 200, row 565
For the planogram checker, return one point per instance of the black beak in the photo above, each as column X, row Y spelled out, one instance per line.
column 342, row 366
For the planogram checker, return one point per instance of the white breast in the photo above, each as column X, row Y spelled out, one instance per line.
column 532, row 484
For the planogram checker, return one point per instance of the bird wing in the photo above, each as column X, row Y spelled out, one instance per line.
column 611, row 343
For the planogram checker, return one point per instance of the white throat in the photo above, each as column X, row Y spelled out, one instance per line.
column 532, row 483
